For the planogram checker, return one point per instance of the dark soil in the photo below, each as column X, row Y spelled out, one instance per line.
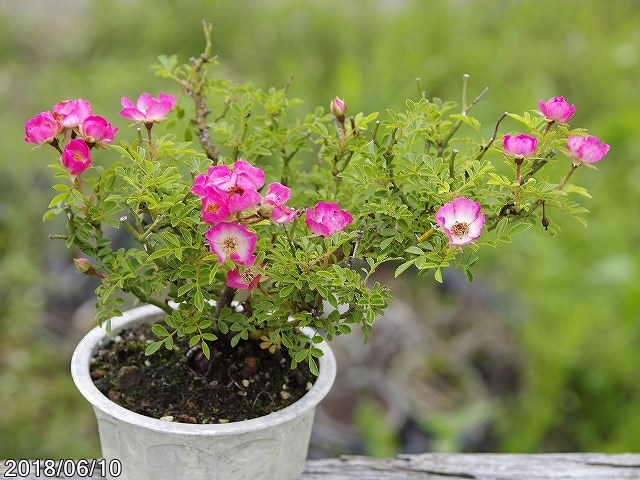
column 183, row 386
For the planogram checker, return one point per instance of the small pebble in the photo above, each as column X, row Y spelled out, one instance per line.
column 245, row 382
column 309, row 385
column 285, row 386
column 102, row 384
column 96, row 374
column 113, row 395
column 213, row 383
column 285, row 395
column 117, row 339
column 168, row 418
column 223, row 420
column 186, row 419
column 147, row 363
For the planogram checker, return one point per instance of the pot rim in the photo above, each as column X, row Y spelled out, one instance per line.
column 80, row 373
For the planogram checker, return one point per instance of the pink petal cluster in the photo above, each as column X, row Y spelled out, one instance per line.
column 225, row 190
column 556, row 109
column 76, row 156
column 95, row 129
column 41, row 129
column 461, row 220
column 147, row 109
column 276, row 197
column 587, row 149
column 326, row 218
column 228, row 240
column 71, row 113
column 68, row 115
column 521, row 145
column 248, row 279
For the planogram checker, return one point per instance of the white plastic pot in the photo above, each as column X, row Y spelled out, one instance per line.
column 273, row 447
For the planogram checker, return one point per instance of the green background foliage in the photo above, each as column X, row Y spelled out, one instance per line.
column 572, row 301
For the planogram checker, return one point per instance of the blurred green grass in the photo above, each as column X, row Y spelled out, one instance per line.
column 578, row 301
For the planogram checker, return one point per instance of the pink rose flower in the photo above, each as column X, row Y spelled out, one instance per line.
column 76, row 156
column 232, row 241
column 41, row 129
column 239, row 184
column 326, row 218
column 587, row 149
column 72, row 112
column 519, row 145
column 214, row 209
column 557, row 109
column 147, row 109
column 338, row 108
column 96, row 129
column 247, row 280
column 277, row 195
column 461, row 220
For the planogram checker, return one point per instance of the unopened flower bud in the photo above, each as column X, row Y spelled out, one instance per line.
column 83, row 265
column 338, row 108
column 266, row 210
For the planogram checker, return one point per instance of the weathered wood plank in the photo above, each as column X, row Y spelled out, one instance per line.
column 434, row 466
column 441, row 466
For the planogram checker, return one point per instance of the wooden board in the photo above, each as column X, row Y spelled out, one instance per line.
column 442, row 466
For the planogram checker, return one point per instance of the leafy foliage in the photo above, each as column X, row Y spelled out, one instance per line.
column 392, row 174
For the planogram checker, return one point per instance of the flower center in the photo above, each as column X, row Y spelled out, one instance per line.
column 213, row 208
column 230, row 245
column 77, row 157
column 460, row 229
column 235, row 191
column 248, row 275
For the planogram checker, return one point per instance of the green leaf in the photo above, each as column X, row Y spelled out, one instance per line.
column 152, row 348
column 163, row 252
column 313, row 366
column 185, row 288
column 438, row 275
column 415, row 250
column 576, row 189
column 403, row 267
column 198, row 300
column 159, row 330
column 205, row 350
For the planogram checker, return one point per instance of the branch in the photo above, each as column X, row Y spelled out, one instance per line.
column 195, row 91
column 484, row 148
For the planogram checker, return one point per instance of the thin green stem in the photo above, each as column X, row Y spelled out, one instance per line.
column 426, row 235
column 452, row 163
column 564, row 181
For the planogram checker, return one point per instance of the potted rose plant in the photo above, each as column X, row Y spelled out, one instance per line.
column 259, row 241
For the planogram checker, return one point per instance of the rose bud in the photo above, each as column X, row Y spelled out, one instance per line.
column 41, row 129
column 587, row 149
column 519, row 145
column 338, row 108
column 556, row 109
column 76, row 156
column 96, row 129
column 83, row 265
